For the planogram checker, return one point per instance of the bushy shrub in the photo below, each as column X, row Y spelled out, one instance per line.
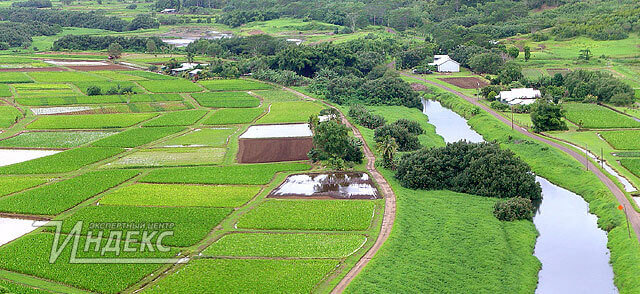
column 366, row 119
column 412, row 126
column 94, row 90
column 282, row 77
column 406, row 140
column 516, row 208
column 497, row 105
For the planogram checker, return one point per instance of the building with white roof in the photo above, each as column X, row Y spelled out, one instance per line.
column 444, row 63
column 519, row 96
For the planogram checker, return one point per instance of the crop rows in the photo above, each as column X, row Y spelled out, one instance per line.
column 66, row 161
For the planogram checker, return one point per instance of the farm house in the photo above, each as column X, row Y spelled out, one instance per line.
column 519, row 96
column 444, row 63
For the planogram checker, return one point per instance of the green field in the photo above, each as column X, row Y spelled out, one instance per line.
column 49, row 101
column 10, row 185
column 623, row 140
column 149, row 75
column 233, row 116
column 315, row 215
column 137, row 136
column 64, row 76
column 14, row 77
column 246, row 174
column 226, row 99
column 121, row 76
column 290, row 112
column 211, row 137
column 5, row 91
column 170, row 86
column 163, row 157
column 277, row 95
column 47, row 200
column 632, row 164
column 107, row 85
column 53, row 139
column 178, row 118
column 234, row 85
column 181, row 195
column 66, row 161
column 286, row 245
column 246, row 276
column 44, row 90
column 597, row 117
column 8, row 115
column 89, row 121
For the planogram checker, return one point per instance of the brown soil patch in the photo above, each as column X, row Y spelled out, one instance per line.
column 31, row 69
column 465, row 82
column 255, row 32
column 99, row 67
column 418, row 87
column 274, row 150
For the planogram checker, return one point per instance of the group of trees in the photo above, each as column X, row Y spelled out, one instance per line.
column 603, row 85
column 333, row 144
column 16, row 34
column 64, row 18
column 33, row 3
column 404, row 132
column 90, row 42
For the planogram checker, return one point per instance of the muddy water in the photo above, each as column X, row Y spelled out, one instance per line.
column 572, row 249
column 11, row 229
column 335, row 185
column 11, row 156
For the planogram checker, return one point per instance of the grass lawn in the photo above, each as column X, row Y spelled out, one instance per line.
column 14, row 77
column 10, row 185
column 277, row 95
column 8, row 115
column 53, row 139
column 64, row 76
column 211, row 137
column 107, row 85
column 291, row 112
column 316, row 215
column 226, row 99
column 181, row 195
column 286, row 245
column 163, row 157
column 137, row 136
column 177, row 118
column 190, row 224
column 234, row 85
column 597, row 117
column 66, row 161
column 246, row 174
column 90, row 121
column 170, row 86
column 234, row 116
column 623, row 140
column 30, row 255
column 57, row 197
column 49, row 101
column 246, row 276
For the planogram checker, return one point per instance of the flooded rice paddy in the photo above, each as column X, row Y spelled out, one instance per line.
column 349, row 185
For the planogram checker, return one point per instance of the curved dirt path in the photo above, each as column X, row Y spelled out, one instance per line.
column 633, row 216
column 389, row 215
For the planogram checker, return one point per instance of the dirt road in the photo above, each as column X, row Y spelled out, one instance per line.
column 634, row 217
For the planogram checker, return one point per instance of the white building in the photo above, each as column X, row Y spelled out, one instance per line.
column 444, row 63
column 184, row 67
column 168, row 10
column 519, row 96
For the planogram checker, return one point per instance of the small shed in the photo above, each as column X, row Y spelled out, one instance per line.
column 519, row 96
column 444, row 63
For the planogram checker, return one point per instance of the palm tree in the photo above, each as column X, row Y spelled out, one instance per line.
column 190, row 57
column 388, row 148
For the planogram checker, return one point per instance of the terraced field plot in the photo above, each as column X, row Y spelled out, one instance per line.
column 623, row 140
column 66, row 161
column 12, row 184
column 120, row 76
column 597, row 117
column 137, row 136
column 277, row 95
column 170, row 86
column 246, row 174
column 90, row 121
column 148, row 75
column 99, row 99
column 227, row 116
column 8, row 115
column 226, row 99
column 14, row 77
column 632, row 164
column 234, row 85
column 211, row 137
column 43, row 90
column 290, row 112
column 53, row 139
column 5, row 91
column 106, row 86
column 158, row 157
column 178, row 118
column 64, row 76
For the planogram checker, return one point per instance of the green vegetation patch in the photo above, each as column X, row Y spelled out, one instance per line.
column 119, row 75
column 62, row 162
column 170, row 86
column 89, row 121
column 278, row 95
column 30, row 255
column 10, row 185
column 319, row 215
column 9, row 115
column 234, row 116
column 161, row 157
column 632, row 164
column 234, row 85
column 597, row 117
column 53, row 139
column 43, row 90
column 290, row 112
column 623, row 140
column 177, row 118
column 137, row 136
column 107, row 85
column 99, row 99
column 12, row 287
column 246, row 276
column 246, row 174
column 14, row 78
column 181, row 195
column 286, row 245
column 211, row 137
column 226, row 99
column 149, row 75
column 57, row 197
column 5, row 91
column 64, row 76
column 190, row 224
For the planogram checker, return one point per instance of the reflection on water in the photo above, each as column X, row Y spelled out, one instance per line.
column 571, row 247
column 11, row 156
column 336, row 185
column 11, row 229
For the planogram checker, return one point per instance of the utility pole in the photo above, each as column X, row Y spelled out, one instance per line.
column 602, row 157
column 511, row 117
column 586, row 157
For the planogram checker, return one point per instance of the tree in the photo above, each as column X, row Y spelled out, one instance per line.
column 486, row 63
column 513, row 52
column 387, row 147
column 331, row 140
column 509, row 73
column 406, row 140
column 190, row 57
column 151, row 46
column 585, row 54
column 527, row 53
column 547, row 116
column 115, row 50
column 516, row 208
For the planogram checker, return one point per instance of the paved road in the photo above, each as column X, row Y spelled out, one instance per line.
column 634, row 217
column 389, row 215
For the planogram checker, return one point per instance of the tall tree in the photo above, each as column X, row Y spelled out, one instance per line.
column 115, row 50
